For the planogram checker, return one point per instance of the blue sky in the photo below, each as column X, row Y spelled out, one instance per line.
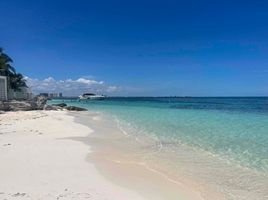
column 151, row 48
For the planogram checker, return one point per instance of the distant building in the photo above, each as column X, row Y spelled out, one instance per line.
column 44, row 94
column 51, row 95
column 3, row 88
column 54, row 95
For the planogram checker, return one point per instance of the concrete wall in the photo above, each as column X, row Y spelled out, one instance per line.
column 23, row 94
column 3, row 88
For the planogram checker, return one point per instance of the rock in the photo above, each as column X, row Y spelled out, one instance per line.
column 74, row 108
column 20, row 106
column 2, row 112
column 40, row 102
column 37, row 103
column 60, row 105
column 52, row 107
column 4, row 106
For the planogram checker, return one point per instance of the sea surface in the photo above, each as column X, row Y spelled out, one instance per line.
column 234, row 129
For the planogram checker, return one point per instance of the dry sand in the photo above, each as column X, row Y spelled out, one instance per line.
column 56, row 155
column 41, row 160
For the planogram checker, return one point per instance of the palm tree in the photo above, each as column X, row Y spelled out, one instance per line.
column 5, row 64
column 15, row 80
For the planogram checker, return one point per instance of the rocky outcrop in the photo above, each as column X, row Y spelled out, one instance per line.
column 40, row 102
column 74, row 108
column 3, row 106
column 52, row 107
column 18, row 106
column 21, row 106
column 37, row 103
column 62, row 105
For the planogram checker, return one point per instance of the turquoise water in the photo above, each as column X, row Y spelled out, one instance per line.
column 235, row 129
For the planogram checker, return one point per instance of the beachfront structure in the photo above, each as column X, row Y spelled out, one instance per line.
column 12, row 84
column 3, row 88
column 23, row 93
column 6, row 93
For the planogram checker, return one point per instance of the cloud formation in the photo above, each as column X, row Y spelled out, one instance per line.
column 70, row 87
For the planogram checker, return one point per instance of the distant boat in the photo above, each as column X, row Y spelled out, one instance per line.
column 91, row 96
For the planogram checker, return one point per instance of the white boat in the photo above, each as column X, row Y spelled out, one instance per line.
column 91, row 96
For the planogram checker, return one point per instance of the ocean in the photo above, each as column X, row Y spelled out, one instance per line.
column 234, row 129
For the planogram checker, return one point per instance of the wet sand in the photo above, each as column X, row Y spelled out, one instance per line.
column 171, row 171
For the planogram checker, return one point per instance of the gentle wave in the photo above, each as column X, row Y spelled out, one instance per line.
column 235, row 129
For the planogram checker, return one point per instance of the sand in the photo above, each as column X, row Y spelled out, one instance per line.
column 84, row 155
column 42, row 158
column 75, row 155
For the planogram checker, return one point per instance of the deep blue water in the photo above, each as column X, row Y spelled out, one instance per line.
column 233, row 128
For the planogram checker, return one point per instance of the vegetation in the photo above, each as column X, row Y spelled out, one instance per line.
column 15, row 80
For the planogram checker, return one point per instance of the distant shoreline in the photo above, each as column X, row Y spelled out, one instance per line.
column 75, row 97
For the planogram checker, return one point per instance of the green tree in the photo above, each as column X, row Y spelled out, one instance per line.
column 5, row 64
column 15, row 80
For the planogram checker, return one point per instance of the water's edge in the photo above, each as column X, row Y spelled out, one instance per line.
column 204, row 173
column 232, row 129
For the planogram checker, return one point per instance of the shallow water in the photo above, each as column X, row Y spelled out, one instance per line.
column 233, row 129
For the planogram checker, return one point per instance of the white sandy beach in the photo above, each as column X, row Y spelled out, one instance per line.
column 82, row 155
column 46, row 155
column 40, row 161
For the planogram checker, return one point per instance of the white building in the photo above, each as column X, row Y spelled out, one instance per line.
column 8, row 94
column 3, row 88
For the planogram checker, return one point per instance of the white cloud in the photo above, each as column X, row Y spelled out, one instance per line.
column 70, row 87
column 88, row 81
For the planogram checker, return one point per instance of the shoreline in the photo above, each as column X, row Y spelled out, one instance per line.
column 85, row 155
column 199, row 175
column 123, row 167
